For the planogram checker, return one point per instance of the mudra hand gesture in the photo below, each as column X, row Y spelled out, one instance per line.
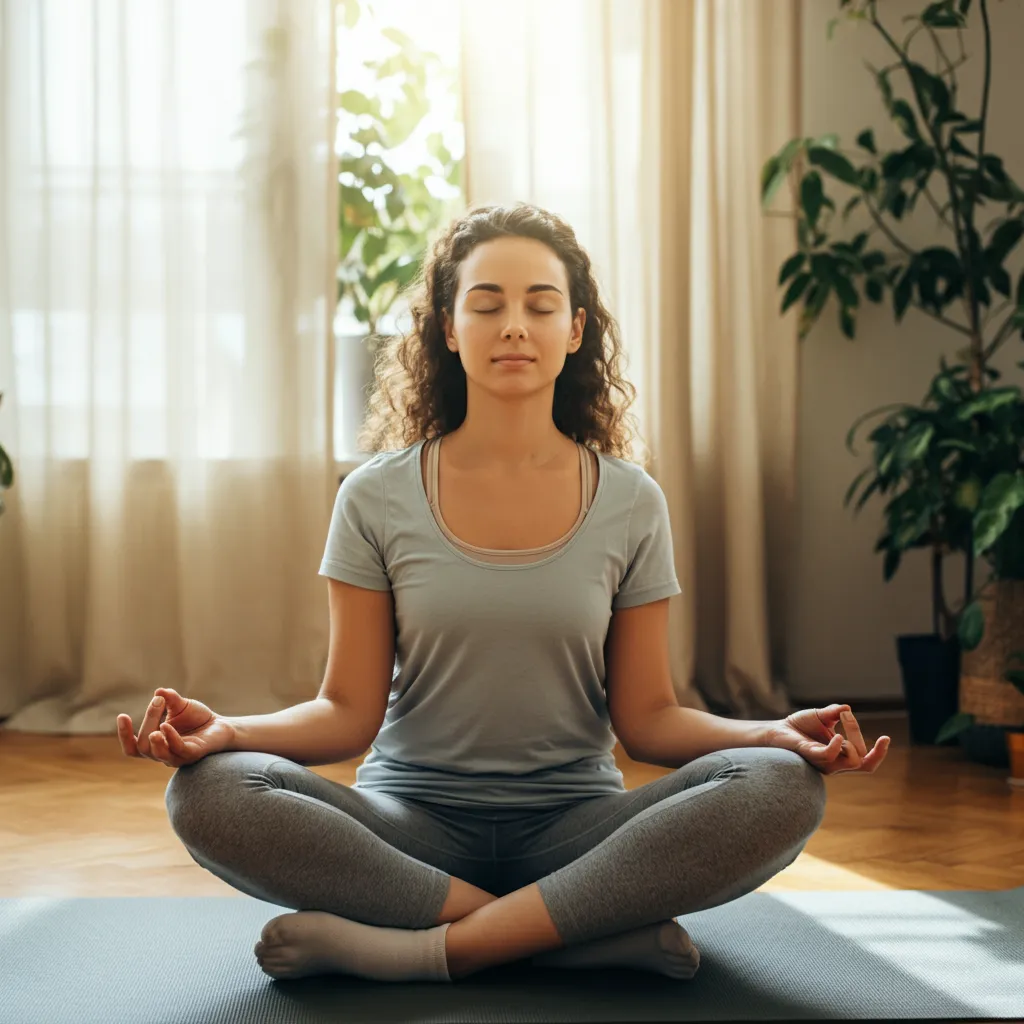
column 813, row 735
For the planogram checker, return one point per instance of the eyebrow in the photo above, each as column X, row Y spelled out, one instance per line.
column 488, row 287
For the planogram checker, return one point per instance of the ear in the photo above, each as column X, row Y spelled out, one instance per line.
column 579, row 322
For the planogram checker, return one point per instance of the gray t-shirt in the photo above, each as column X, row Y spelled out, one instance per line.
column 497, row 697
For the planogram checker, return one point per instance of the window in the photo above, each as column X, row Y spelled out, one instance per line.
column 435, row 28
column 112, row 144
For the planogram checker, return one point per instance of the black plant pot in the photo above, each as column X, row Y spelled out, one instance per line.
column 930, row 667
column 986, row 744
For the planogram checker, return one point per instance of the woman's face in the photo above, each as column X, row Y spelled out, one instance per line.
column 513, row 296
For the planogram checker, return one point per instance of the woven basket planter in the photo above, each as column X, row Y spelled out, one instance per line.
column 984, row 692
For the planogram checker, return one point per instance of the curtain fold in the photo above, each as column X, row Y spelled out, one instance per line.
column 644, row 123
column 167, row 215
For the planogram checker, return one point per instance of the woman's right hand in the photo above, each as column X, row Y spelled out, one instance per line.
column 190, row 732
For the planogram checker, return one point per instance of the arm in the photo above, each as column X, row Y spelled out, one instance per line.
column 674, row 736
column 320, row 731
column 645, row 715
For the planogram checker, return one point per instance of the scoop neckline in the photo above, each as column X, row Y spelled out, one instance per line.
column 440, row 534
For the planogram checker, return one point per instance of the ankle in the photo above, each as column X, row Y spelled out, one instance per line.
column 462, row 900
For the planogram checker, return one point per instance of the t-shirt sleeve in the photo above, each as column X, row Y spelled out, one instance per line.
column 651, row 573
column 355, row 540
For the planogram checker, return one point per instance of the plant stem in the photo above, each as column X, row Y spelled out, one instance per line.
column 969, row 570
column 935, row 206
column 942, row 319
column 1002, row 334
column 984, row 104
column 963, row 238
column 977, row 355
column 892, row 236
column 995, row 311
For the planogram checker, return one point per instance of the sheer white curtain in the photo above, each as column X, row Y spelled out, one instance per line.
column 167, row 217
column 644, row 123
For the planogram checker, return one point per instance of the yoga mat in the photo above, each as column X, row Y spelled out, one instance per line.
column 886, row 955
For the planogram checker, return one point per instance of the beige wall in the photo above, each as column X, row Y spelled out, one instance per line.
column 844, row 618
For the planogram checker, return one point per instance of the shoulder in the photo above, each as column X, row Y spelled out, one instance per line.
column 627, row 474
column 378, row 469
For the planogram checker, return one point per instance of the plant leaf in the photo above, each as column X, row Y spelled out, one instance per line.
column 903, row 292
column 971, row 627
column 1015, row 676
column 866, row 140
column 1002, row 496
column 796, row 288
column 903, row 115
column 812, row 196
column 847, row 321
column 791, row 266
column 833, row 163
column 853, row 486
column 942, row 15
column 891, row 563
column 954, row 725
column 1003, row 240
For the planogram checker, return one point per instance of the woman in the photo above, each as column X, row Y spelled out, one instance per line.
column 501, row 542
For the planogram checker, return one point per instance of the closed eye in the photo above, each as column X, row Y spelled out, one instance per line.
column 542, row 312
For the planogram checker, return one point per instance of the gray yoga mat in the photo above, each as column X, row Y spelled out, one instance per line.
column 764, row 956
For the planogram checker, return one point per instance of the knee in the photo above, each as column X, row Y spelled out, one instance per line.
column 193, row 794
column 798, row 785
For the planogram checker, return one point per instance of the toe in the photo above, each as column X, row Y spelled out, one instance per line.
column 273, row 930
column 675, row 940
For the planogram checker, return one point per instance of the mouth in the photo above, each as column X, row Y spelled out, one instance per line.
column 512, row 359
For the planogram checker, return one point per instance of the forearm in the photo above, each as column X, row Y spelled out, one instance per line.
column 318, row 731
column 675, row 736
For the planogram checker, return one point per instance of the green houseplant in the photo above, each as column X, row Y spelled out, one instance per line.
column 6, row 470
column 386, row 217
column 951, row 465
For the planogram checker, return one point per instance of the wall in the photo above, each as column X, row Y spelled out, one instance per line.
column 843, row 617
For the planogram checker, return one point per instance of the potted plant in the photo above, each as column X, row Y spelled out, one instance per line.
column 6, row 470
column 952, row 463
column 951, row 466
column 385, row 218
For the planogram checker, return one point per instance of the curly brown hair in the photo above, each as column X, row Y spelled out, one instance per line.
column 419, row 387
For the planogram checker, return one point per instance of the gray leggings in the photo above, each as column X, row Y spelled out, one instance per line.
column 705, row 834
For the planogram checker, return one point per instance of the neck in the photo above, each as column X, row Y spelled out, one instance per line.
column 476, row 450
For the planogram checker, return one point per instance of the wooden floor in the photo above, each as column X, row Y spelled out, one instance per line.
column 77, row 818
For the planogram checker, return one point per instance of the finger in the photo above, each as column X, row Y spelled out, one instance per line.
column 828, row 752
column 877, row 755
column 126, row 736
column 172, row 699
column 151, row 720
column 172, row 738
column 834, row 714
column 849, row 756
column 158, row 745
column 823, row 755
column 856, row 737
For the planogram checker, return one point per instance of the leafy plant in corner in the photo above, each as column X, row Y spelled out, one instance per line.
column 951, row 466
column 385, row 218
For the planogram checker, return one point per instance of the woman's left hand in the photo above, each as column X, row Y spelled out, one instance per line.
column 813, row 735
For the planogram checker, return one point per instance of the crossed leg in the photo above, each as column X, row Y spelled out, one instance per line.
column 700, row 836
